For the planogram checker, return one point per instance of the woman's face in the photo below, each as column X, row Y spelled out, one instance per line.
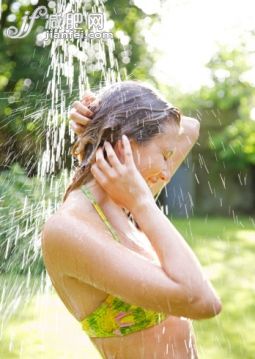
column 158, row 160
column 153, row 159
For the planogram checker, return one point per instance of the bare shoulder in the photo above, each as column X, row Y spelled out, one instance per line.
column 78, row 214
column 63, row 230
column 50, row 234
column 74, row 208
column 57, row 224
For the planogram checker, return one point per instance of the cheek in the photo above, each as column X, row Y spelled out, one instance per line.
column 149, row 162
column 152, row 164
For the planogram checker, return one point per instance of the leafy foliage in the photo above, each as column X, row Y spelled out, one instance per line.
column 236, row 144
column 229, row 99
column 24, row 204
column 23, row 81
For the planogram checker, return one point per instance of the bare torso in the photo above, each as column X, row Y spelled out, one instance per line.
column 173, row 338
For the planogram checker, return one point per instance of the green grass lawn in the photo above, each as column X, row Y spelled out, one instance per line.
column 45, row 329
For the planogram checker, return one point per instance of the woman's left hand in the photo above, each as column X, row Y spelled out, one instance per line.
column 80, row 114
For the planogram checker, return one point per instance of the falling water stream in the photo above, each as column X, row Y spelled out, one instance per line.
column 68, row 77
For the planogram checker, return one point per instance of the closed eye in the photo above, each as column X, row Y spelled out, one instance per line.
column 169, row 154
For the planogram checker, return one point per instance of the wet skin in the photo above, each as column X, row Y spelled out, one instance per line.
column 157, row 162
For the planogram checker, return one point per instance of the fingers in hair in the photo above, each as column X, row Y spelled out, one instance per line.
column 82, row 109
column 103, row 164
column 76, row 127
column 78, row 118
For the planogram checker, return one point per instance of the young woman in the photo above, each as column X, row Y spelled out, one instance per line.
column 135, row 285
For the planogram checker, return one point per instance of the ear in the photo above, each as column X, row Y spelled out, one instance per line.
column 119, row 150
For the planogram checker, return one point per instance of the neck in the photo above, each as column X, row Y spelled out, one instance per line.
column 98, row 192
column 103, row 199
column 100, row 195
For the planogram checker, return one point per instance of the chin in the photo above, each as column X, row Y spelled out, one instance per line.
column 156, row 188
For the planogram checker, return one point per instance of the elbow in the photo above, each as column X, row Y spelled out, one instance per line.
column 196, row 128
column 195, row 306
column 205, row 309
column 191, row 127
column 215, row 307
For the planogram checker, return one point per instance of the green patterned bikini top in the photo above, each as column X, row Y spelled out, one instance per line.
column 114, row 317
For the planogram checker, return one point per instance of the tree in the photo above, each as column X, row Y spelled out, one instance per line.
column 231, row 97
column 23, row 81
column 23, row 107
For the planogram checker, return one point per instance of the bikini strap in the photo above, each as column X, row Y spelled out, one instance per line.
column 90, row 196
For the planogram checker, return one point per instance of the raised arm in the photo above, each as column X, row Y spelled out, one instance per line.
column 190, row 133
column 86, row 251
column 177, row 258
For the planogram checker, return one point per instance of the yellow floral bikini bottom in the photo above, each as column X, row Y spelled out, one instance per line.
column 114, row 317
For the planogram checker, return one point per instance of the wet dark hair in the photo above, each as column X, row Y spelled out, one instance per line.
column 132, row 108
